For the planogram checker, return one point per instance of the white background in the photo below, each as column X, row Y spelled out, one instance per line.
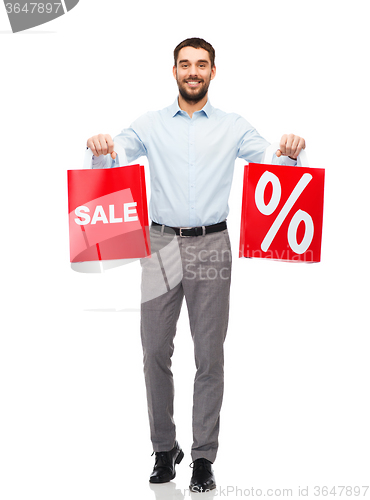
column 73, row 421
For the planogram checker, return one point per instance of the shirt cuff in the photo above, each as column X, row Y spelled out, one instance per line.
column 291, row 161
column 98, row 161
column 285, row 160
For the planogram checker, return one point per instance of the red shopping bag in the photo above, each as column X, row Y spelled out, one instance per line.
column 108, row 215
column 282, row 212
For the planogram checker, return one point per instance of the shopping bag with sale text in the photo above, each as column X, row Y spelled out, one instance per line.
column 108, row 216
column 282, row 211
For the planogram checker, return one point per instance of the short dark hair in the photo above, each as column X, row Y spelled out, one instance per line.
column 197, row 43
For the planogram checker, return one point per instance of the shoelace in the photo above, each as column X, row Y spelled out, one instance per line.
column 162, row 459
column 201, row 462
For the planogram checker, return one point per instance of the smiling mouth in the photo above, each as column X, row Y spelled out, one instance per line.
column 193, row 83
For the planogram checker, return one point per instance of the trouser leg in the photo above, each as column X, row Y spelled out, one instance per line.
column 160, row 310
column 206, row 283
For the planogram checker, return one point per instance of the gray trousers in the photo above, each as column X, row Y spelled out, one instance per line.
column 198, row 268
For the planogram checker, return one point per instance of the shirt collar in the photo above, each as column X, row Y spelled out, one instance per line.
column 207, row 108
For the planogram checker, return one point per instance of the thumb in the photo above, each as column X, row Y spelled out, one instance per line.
column 113, row 155
column 278, row 153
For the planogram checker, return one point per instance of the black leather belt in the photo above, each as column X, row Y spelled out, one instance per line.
column 186, row 232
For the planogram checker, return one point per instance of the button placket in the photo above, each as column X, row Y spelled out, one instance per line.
column 192, row 172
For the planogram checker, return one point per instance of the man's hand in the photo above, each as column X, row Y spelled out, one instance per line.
column 291, row 145
column 101, row 144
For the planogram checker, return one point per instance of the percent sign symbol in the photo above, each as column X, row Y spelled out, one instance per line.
column 298, row 217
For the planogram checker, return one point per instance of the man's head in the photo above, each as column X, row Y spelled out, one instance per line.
column 196, row 43
column 194, row 68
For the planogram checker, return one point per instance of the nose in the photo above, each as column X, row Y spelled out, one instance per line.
column 193, row 70
column 193, row 76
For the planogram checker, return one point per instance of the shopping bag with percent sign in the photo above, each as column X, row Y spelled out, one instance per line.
column 282, row 211
column 108, row 215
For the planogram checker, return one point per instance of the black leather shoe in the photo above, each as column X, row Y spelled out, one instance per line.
column 164, row 467
column 202, row 478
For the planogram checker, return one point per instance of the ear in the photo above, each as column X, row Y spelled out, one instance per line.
column 174, row 71
column 213, row 72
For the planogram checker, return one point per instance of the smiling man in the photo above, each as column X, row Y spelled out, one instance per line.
column 193, row 81
column 191, row 147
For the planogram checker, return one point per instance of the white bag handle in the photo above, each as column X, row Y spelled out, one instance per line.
column 302, row 160
column 122, row 158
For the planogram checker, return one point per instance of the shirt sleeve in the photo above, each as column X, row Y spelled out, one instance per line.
column 252, row 146
column 133, row 145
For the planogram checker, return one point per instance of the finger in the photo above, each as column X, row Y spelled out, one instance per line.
column 90, row 144
column 283, row 141
column 301, row 145
column 288, row 145
column 113, row 155
column 103, row 144
column 278, row 153
column 295, row 149
column 96, row 146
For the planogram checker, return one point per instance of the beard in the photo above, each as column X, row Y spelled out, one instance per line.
column 193, row 96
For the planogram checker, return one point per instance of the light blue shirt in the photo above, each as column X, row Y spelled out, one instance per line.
column 191, row 161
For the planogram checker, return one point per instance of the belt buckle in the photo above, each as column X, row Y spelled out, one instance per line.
column 183, row 235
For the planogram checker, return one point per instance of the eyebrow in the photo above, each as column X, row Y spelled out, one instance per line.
column 199, row 61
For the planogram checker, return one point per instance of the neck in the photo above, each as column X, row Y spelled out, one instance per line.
column 190, row 106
